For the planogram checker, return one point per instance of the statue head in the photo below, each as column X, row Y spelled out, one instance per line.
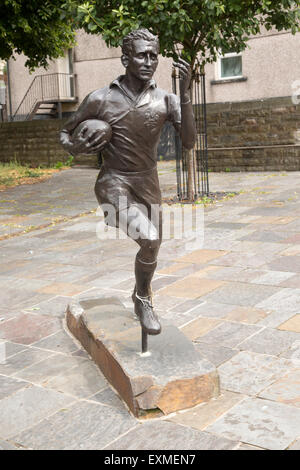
column 140, row 50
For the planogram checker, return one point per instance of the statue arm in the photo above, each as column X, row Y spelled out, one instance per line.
column 88, row 109
column 187, row 128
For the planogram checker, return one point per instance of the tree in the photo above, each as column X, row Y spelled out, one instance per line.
column 198, row 30
column 40, row 30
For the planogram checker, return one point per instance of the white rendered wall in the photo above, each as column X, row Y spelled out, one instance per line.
column 271, row 64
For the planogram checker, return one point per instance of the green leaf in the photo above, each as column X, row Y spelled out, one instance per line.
column 43, row 30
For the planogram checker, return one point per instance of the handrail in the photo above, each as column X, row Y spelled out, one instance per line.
column 24, row 98
column 52, row 87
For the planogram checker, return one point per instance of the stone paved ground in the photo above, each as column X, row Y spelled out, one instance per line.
column 237, row 298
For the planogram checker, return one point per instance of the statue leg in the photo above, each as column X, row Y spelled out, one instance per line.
column 149, row 239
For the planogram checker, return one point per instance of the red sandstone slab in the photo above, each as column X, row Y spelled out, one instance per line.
column 170, row 377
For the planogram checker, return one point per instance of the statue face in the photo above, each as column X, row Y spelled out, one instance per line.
column 143, row 59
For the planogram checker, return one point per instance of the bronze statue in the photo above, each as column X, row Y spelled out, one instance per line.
column 134, row 111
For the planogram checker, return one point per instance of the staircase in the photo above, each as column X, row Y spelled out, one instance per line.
column 47, row 111
column 44, row 97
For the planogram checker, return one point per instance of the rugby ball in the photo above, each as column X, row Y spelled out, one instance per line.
column 92, row 125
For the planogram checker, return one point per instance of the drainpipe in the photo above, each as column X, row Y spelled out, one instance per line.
column 9, row 91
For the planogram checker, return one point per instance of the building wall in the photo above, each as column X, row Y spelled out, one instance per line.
column 94, row 64
column 271, row 64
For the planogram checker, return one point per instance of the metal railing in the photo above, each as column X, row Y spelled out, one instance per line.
column 192, row 167
column 49, row 88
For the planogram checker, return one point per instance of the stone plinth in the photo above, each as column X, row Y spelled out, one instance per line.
column 170, row 377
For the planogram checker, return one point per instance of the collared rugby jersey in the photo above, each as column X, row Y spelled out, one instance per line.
column 136, row 124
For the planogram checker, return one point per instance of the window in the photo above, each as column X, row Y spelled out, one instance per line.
column 230, row 66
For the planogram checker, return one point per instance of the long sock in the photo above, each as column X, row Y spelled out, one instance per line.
column 143, row 275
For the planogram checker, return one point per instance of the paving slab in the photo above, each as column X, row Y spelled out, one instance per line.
column 285, row 263
column 199, row 327
column 295, row 445
column 8, row 313
column 237, row 273
column 186, row 305
column 43, row 202
column 9, row 385
column 270, row 341
column 201, row 256
column 176, row 318
column 21, row 360
column 293, row 282
column 244, row 260
column 5, row 445
column 163, row 435
column 210, row 309
column 54, row 307
column 285, row 300
column 202, row 415
column 248, row 447
column 10, row 349
column 293, row 324
column 81, row 381
column 275, row 319
column 246, row 315
column 191, row 287
column 293, row 353
column 250, row 373
column 108, row 397
column 214, row 353
column 265, row 236
column 20, row 298
column 58, row 342
column 285, row 390
column 171, row 376
column 229, row 334
column 53, row 366
column 83, row 426
column 28, row 406
column 273, row 278
column 261, row 423
column 244, row 294
column 29, row 328
column 165, row 302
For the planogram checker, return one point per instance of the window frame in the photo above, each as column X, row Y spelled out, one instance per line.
column 219, row 65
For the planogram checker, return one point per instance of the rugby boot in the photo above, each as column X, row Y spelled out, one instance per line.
column 143, row 309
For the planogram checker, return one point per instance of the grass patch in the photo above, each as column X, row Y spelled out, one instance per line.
column 13, row 174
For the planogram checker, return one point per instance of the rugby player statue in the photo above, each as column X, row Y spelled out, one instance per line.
column 124, row 121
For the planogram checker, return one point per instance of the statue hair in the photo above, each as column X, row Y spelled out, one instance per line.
column 137, row 34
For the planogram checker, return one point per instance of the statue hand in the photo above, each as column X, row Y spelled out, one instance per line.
column 90, row 143
column 185, row 75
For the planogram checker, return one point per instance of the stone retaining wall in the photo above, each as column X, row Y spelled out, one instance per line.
column 242, row 136
column 36, row 143
column 254, row 135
